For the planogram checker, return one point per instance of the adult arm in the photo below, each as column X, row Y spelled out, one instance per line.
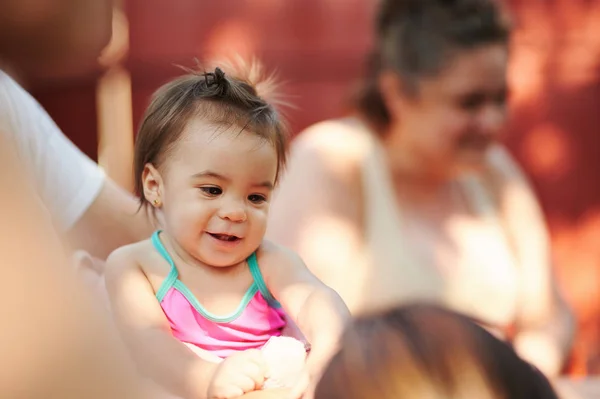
column 56, row 341
column 88, row 209
column 111, row 220
column 545, row 324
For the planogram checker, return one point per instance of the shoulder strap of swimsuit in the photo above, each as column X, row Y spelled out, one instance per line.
column 173, row 275
column 260, row 282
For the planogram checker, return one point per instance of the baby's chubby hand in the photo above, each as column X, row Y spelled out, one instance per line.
column 238, row 374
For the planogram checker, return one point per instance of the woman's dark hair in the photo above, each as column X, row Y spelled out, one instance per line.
column 414, row 38
column 424, row 351
column 221, row 100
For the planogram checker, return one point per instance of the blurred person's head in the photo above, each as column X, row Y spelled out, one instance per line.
column 436, row 86
column 208, row 155
column 422, row 351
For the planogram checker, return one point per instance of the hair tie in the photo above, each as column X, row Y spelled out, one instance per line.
column 217, row 78
column 219, row 75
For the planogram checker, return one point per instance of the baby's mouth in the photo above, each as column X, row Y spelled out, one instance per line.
column 224, row 237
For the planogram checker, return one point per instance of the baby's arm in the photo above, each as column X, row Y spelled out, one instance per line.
column 145, row 329
column 319, row 311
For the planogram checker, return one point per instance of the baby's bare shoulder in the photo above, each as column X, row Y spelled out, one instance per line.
column 272, row 255
column 140, row 255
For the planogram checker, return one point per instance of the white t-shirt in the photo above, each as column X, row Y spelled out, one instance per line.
column 66, row 180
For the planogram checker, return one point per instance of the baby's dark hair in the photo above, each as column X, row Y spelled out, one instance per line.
column 415, row 38
column 224, row 101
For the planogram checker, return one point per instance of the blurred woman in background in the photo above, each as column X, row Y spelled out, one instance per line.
column 414, row 198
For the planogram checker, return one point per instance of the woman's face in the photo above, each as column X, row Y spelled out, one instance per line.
column 454, row 116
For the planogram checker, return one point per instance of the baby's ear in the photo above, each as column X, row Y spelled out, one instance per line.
column 153, row 185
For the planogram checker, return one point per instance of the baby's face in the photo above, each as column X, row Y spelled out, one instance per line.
column 217, row 184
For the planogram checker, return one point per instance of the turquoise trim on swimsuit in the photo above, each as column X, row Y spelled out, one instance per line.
column 179, row 286
column 173, row 274
column 172, row 281
column 260, row 282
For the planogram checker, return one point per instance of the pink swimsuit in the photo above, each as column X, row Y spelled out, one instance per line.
column 258, row 317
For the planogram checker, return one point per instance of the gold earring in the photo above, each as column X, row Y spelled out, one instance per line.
column 156, row 202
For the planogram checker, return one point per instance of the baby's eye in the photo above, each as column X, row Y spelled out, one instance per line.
column 211, row 191
column 257, row 198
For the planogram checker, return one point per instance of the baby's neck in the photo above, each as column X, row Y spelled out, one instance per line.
column 182, row 258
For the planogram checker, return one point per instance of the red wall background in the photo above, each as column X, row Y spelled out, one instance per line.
column 555, row 80
column 316, row 46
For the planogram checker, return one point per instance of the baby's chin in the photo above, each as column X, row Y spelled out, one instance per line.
column 223, row 260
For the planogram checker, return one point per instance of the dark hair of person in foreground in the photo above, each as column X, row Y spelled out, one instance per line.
column 424, row 351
